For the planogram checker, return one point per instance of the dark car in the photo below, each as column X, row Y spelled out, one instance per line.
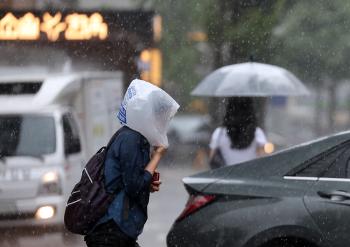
column 299, row 197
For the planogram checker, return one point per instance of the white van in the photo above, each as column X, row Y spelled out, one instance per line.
column 49, row 126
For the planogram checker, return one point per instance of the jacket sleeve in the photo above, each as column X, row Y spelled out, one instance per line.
column 135, row 177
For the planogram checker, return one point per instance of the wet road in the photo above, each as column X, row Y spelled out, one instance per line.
column 164, row 207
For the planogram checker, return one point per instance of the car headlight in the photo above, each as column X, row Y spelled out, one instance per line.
column 50, row 184
column 45, row 212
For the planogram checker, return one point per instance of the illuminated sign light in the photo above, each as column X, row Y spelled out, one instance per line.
column 73, row 27
column 150, row 66
column 157, row 28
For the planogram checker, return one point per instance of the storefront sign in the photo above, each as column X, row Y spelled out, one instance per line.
column 74, row 26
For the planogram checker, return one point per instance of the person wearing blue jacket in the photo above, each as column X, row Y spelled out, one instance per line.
column 131, row 162
column 129, row 168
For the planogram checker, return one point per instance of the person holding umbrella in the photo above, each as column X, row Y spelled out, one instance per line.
column 239, row 139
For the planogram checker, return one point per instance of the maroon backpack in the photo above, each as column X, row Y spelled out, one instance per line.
column 89, row 199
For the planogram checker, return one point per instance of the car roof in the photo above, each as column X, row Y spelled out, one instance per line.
column 280, row 163
column 262, row 173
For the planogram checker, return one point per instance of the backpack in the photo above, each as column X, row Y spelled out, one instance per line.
column 89, row 199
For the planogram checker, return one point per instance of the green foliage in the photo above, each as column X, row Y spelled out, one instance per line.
column 245, row 27
column 314, row 39
column 242, row 25
column 180, row 55
column 253, row 34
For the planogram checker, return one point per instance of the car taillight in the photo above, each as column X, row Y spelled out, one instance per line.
column 194, row 203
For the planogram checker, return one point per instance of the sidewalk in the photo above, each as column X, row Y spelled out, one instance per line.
column 166, row 205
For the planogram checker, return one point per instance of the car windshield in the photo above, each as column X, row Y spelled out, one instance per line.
column 27, row 135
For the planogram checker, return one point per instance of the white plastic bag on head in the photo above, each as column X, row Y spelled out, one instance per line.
column 148, row 110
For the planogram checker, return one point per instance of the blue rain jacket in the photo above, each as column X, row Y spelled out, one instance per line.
column 125, row 175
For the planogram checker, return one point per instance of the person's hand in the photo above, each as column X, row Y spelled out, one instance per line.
column 155, row 186
column 159, row 151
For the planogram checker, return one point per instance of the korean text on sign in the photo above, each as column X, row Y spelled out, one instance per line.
column 73, row 27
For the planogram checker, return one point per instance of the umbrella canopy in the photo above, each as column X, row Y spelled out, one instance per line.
column 250, row 79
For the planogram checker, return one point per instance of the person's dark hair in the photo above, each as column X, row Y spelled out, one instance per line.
column 240, row 121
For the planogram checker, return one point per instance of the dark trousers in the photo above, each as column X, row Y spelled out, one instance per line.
column 109, row 235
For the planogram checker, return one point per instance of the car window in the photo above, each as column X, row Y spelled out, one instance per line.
column 340, row 167
column 331, row 163
column 71, row 135
column 347, row 169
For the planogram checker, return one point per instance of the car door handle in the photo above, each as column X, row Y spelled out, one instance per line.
column 337, row 195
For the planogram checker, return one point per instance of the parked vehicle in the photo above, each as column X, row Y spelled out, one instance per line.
column 299, row 197
column 190, row 129
column 49, row 125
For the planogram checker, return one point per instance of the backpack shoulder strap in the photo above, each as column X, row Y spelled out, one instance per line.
column 116, row 134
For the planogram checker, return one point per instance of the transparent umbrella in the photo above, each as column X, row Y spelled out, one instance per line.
column 250, row 79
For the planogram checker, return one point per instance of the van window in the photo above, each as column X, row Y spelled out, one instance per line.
column 71, row 135
column 20, row 88
column 27, row 135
